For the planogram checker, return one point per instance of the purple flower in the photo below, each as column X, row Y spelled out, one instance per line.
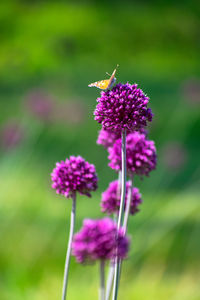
column 110, row 201
column 41, row 105
column 140, row 154
column 99, row 239
column 12, row 134
column 125, row 106
column 74, row 175
column 107, row 138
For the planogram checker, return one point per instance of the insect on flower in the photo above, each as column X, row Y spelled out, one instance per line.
column 107, row 83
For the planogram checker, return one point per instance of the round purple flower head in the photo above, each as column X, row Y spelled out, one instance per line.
column 107, row 138
column 123, row 107
column 74, row 175
column 110, row 201
column 99, row 239
column 140, row 154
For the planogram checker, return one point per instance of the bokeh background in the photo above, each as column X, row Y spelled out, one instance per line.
column 49, row 52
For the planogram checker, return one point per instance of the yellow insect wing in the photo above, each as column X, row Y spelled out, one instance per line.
column 102, row 84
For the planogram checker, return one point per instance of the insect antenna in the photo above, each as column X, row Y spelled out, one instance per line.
column 108, row 74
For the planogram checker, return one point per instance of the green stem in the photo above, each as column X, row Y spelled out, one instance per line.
column 102, row 281
column 128, row 205
column 68, row 254
column 121, row 214
column 110, row 280
column 112, row 266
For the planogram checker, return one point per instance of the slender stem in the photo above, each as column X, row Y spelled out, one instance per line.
column 128, row 205
column 111, row 271
column 123, row 181
column 68, row 254
column 121, row 213
column 119, row 184
column 126, row 216
column 110, row 280
column 102, row 281
column 112, row 266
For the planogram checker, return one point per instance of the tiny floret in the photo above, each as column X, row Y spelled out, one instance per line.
column 110, row 201
column 123, row 107
column 74, row 175
column 140, row 154
column 99, row 240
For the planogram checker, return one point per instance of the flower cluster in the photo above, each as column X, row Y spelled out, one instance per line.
column 123, row 107
column 110, row 201
column 140, row 154
column 122, row 111
column 99, row 239
column 74, row 175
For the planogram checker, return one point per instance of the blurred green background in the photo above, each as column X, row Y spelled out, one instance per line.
column 49, row 52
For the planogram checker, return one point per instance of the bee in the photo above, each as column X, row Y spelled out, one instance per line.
column 106, row 83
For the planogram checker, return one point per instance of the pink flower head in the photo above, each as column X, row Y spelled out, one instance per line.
column 99, row 239
column 123, row 107
column 140, row 154
column 74, row 175
column 110, row 201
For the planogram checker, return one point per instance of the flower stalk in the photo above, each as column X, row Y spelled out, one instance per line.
column 125, row 223
column 119, row 184
column 121, row 212
column 102, row 281
column 110, row 280
column 123, row 180
column 128, row 205
column 112, row 266
column 68, row 254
